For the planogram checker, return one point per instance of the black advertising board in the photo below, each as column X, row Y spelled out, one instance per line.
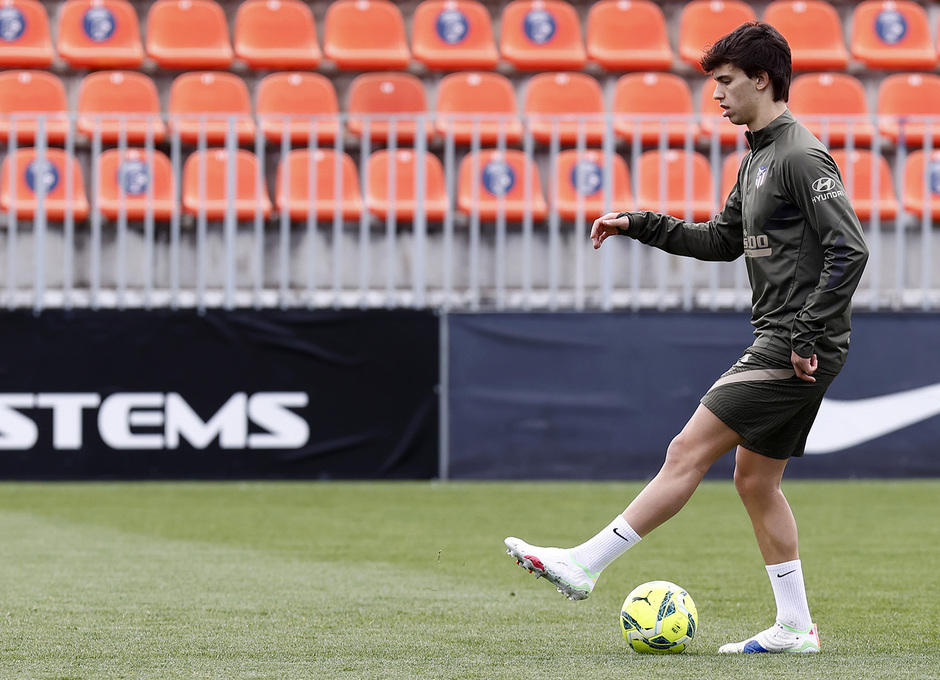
column 137, row 394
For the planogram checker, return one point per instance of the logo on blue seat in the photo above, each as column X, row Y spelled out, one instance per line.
column 99, row 24
column 452, row 26
column 133, row 177
column 587, row 178
column 12, row 24
column 539, row 26
column 933, row 177
column 891, row 26
column 44, row 171
column 498, row 177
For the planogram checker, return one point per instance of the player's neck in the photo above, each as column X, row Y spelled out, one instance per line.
column 766, row 115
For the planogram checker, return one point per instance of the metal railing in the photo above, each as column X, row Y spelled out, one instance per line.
column 63, row 254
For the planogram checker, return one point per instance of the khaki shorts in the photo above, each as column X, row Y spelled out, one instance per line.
column 762, row 400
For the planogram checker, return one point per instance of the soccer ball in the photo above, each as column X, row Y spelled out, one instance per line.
column 658, row 617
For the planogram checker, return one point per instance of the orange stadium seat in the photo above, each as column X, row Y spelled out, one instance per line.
column 499, row 186
column 378, row 98
column 188, row 34
column 552, row 100
column 702, row 22
column 655, row 96
column 99, row 34
column 213, row 199
column 207, row 101
column 298, row 103
column 580, row 184
column 541, row 35
column 25, row 38
column 905, row 95
column 815, row 96
column 24, row 93
column 918, row 173
column 729, row 172
column 131, row 173
column 306, row 185
column 813, row 29
column 713, row 123
column 403, row 196
column 489, row 96
column 276, row 35
column 892, row 35
column 453, row 35
column 671, row 164
column 22, row 199
column 365, row 35
column 647, row 48
column 858, row 169
column 109, row 99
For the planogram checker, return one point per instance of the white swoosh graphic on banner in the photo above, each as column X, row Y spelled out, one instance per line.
column 841, row 424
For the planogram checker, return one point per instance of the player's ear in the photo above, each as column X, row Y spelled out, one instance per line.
column 762, row 80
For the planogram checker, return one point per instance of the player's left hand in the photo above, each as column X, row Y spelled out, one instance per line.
column 804, row 367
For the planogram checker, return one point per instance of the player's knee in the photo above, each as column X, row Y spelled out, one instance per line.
column 750, row 485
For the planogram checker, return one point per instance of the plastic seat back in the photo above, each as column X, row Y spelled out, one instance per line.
column 729, row 172
column 580, row 181
column 44, row 180
column 677, row 183
column 211, row 195
column 297, row 103
column 453, row 35
column 386, row 100
column 393, row 185
column 276, row 35
column 110, row 100
column 661, row 101
column 24, row 95
column 100, row 34
column 136, row 184
column 485, row 102
column 555, row 101
column 813, row 30
column 647, row 49
column 365, row 35
column 892, row 35
column 208, row 101
column 859, row 168
column 904, row 99
column 816, row 97
column 541, row 35
column 495, row 184
column 702, row 22
column 188, row 35
column 25, row 38
column 307, row 183
column 921, row 190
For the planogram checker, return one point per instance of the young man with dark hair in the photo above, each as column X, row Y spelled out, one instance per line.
column 789, row 215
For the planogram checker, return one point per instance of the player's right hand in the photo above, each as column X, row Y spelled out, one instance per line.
column 608, row 225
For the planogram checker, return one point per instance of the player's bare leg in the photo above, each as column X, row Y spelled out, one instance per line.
column 757, row 479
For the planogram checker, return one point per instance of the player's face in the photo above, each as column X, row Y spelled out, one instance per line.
column 737, row 94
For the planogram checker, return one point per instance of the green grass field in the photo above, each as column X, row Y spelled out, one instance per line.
column 410, row 580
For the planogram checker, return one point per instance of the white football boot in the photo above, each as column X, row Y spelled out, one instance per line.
column 776, row 639
column 555, row 565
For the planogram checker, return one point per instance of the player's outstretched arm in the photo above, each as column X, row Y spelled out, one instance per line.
column 610, row 224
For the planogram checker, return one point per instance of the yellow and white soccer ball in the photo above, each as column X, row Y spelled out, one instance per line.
column 658, row 617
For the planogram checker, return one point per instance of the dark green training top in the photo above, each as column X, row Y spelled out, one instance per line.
column 789, row 215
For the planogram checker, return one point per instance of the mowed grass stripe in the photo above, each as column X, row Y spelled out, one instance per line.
column 409, row 580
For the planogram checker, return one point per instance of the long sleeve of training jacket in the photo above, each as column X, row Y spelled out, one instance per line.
column 790, row 216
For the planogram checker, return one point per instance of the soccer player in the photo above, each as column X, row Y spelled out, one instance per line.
column 789, row 215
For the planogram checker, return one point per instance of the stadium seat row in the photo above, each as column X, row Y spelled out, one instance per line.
column 320, row 184
column 450, row 35
column 305, row 104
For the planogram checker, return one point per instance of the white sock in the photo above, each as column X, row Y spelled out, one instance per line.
column 612, row 542
column 790, row 594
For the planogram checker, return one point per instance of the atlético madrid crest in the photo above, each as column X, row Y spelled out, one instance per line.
column 761, row 175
